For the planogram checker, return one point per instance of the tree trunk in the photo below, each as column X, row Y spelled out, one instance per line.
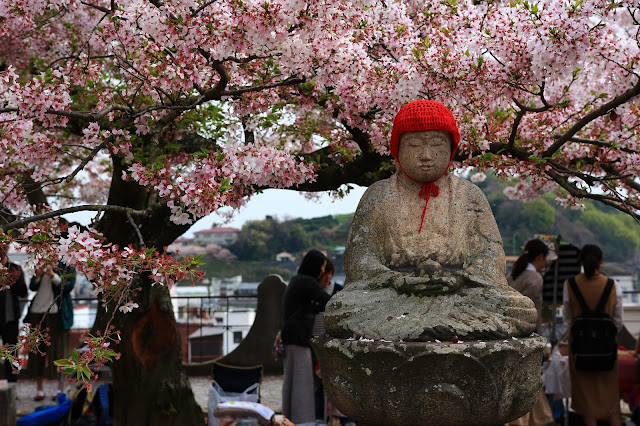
column 150, row 385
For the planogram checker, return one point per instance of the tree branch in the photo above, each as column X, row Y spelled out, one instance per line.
column 599, row 112
column 88, row 207
column 291, row 81
column 96, row 6
column 201, row 8
column 135, row 227
column 602, row 144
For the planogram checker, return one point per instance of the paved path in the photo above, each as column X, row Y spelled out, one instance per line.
column 271, row 393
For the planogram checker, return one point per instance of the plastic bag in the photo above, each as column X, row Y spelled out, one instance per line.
column 218, row 395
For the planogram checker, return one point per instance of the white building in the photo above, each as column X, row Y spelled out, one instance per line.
column 219, row 236
column 221, row 337
column 285, row 256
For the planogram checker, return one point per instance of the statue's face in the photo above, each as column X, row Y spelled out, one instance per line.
column 425, row 155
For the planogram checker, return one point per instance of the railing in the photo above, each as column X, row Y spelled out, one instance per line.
column 210, row 326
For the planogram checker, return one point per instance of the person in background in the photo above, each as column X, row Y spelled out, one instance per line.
column 52, row 303
column 526, row 277
column 525, row 274
column 14, row 287
column 331, row 288
column 594, row 394
column 303, row 298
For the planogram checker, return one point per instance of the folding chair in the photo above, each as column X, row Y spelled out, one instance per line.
column 237, row 379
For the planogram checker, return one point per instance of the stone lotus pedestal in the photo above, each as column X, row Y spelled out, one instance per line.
column 431, row 383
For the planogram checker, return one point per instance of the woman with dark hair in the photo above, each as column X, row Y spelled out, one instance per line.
column 594, row 394
column 525, row 274
column 303, row 298
column 526, row 277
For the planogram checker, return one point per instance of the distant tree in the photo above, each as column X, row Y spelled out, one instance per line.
column 298, row 240
column 617, row 233
column 538, row 215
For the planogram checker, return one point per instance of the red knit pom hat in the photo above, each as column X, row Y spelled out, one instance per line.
column 422, row 115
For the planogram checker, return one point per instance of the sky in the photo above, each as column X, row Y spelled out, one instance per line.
column 279, row 203
column 283, row 204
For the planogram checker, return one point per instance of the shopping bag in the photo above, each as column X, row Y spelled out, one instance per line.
column 218, row 395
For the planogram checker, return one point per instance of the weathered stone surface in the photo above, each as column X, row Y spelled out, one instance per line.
column 484, row 313
column 431, row 383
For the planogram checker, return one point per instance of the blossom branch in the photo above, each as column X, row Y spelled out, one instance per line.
column 602, row 144
column 201, row 8
column 599, row 112
column 97, row 7
column 88, row 207
column 290, row 81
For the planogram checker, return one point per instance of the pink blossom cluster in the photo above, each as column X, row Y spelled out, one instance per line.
column 356, row 57
column 215, row 181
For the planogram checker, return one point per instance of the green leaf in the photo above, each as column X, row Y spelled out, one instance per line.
column 74, row 356
column 86, row 372
column 62, row 362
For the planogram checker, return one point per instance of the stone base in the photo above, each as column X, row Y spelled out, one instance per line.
column 429, row 383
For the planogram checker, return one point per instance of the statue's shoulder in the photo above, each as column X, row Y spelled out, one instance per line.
column 374, row 198
column 379, row 189
column 461, row 184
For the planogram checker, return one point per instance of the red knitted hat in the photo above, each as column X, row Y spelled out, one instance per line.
column 423, row 115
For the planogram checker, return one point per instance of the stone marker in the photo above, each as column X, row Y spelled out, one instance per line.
column 426, row 330
column 256, row 347
column 8, row 404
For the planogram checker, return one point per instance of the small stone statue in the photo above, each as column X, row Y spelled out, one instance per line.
column 426, row 330
column 424, row 260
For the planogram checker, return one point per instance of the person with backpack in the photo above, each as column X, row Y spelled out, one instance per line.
column 592, row 306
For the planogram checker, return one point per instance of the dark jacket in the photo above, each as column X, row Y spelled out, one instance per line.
column 303, row 298
column 18, row 289
column 65, row 303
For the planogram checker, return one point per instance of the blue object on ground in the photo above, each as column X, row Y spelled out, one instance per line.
column 47, row 416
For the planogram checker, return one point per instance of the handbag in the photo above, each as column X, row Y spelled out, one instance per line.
column 278, row 348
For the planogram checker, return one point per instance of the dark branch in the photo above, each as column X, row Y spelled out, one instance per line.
column 602, row 144
column 201, row 8
column 599, row 112
column 291, row 81
column 96, row 6
column 89, row 207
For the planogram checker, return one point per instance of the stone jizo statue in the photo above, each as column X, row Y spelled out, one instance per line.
column 424, row 259
column 426, row 330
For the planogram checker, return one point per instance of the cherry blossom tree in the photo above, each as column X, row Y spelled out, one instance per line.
column 153, row 114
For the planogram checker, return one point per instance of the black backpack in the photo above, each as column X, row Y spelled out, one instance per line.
column 594, row 345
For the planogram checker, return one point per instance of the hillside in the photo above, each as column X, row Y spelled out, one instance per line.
column 617, row 233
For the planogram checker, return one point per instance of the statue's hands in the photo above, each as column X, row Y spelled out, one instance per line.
column 438, row 283
column 428, row 267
